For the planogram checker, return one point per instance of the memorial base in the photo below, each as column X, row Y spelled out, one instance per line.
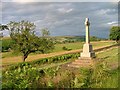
column 87, row 51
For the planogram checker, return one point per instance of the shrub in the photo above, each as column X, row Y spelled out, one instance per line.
column 6, row 45
column 65, row 48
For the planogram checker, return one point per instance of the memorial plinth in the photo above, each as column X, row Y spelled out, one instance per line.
column 87, row 51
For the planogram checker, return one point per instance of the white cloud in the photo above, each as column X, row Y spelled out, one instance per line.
column 105, row 11
column 63, row 10
column 69, row 10
column 112, row 23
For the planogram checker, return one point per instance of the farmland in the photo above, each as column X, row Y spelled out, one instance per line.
column 54, row 74
column 13, row 57
column 50, row 70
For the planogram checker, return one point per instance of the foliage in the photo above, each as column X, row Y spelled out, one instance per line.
column 73, row 39
column 26, row 42
column 115, row 33
column 45, row 32
column 58, row 48
column 3, row 27
column 68, row 39
column 30, row 75
column 7, row 45
column 49, row 60
column 27, row 76
column 65, row 48
column 94, row 38
column 100, row 72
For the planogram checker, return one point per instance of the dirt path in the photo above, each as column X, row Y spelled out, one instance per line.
column 12, row 60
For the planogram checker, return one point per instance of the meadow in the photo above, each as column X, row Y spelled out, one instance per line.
column 53, row 73
column 50, row 70
column 14, row 57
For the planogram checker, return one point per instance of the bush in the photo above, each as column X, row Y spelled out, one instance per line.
column 6, row 45
column 94, row 38
column 65, row 48
column 26, row 76
column 115, row 33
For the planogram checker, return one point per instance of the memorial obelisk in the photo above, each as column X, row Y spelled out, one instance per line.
column 87, row 47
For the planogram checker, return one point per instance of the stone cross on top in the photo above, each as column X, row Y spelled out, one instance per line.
column 87, row 24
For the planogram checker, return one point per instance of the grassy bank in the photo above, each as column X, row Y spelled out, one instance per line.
column 36, row 76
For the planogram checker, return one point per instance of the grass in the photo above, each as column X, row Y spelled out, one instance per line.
column 79, row 45
column 11, row 57
column 66, row 77
column 110, row 56
column 58, row 47
column 110, row 59
column 112, row 81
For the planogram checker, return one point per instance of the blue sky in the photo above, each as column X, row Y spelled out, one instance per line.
column 63, row 18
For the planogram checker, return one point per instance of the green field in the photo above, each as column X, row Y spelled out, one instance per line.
column 59, row 47
column 79, row 45
column 14, row 57
column 50, row 70
column 52, row 75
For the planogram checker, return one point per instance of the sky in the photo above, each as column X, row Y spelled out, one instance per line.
column 62, row 18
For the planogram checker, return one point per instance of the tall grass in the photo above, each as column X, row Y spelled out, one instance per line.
column 33, row 76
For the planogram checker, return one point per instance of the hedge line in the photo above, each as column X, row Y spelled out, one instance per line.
column 55, row 59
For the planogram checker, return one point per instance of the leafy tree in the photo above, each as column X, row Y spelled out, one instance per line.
column 115, row 33
column 3, row 27
column 45, row 32
column 26, row 41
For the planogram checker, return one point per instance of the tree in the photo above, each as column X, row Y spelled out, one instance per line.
column 45, row 32
column 26, row 41
column 115, row 33
column 3, row 27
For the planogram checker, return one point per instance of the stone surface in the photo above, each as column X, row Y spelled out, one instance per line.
column 87, row 24
column 88, row 51
column 86, row 59
column 83, row 62
column 87, row 47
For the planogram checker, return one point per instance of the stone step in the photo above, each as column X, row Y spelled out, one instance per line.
column 78, row 65
column 74, row 65
column 84, row 58
column 83, row 61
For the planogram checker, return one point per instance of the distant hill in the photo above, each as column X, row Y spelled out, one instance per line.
column 71, row 39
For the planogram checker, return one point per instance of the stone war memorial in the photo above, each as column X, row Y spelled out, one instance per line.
column 87, row 55
column 87, row 48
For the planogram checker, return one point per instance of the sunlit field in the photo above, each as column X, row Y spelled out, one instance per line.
column 13, row 57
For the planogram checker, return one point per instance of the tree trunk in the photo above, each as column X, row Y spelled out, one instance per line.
column 24, row 57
